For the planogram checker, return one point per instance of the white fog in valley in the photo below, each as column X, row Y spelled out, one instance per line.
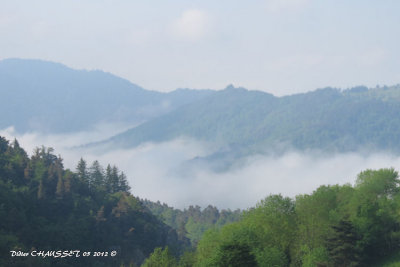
column 160, row 171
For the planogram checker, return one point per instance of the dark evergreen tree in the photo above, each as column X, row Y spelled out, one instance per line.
column 82, row 171
column 342, row 246
column 108, row 179
column 114, row 181
column 123, row 183
column 96, row 174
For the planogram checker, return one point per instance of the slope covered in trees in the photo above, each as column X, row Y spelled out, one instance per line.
column 339, row 225
column 193, row 221
column 242, row 121
column 45, row 207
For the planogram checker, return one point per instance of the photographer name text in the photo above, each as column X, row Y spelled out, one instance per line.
column 62, row 253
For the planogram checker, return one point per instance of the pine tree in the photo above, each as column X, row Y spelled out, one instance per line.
column 82, row 172
column 342, row 246
column 123, row 183
column 114, row 182
column 108, row 179
column 96, row 174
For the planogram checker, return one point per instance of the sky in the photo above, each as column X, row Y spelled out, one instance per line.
column 278, row 46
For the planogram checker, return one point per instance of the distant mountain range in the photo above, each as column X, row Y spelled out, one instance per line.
column 251, row 121
column 51, row 97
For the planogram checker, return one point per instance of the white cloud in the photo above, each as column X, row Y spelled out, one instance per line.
column 63, row 142
column 192, row 25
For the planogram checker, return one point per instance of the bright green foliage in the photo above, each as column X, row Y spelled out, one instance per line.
column 266, row 231
column 316, row 213
column 187, row 259
column 374, row 212
column 271, row 256
column 274, row 217
column 334, row 226
column 160, row 257
column 314, row 257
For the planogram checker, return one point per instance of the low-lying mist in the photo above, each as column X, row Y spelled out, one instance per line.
column 156, row 172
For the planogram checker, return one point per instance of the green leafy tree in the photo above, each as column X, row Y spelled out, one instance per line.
column 374, row 213
column 316, row 257
column 271, row 256
column 160, row 257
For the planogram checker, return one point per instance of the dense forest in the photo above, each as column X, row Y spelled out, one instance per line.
column 45, row 207
column 193, row 221
column 243, row 122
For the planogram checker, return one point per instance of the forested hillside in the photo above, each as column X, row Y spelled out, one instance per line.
column 242, row 121
column 193, row 221
column 45, row 207
column 336, row 225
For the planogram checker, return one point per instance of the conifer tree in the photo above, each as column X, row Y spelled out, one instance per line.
column 96, row 174
column 123, row 183
column 82, row 172
column 342, row 245
column 114, row 182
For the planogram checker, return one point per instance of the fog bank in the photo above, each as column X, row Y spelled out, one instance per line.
column 155, row 170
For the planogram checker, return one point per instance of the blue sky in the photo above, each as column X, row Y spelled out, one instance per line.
column 279, row 46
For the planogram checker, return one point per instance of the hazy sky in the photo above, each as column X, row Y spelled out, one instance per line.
column 279, row 46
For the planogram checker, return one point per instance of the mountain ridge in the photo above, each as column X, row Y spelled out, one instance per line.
column 51, row 97
column 327, row 119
